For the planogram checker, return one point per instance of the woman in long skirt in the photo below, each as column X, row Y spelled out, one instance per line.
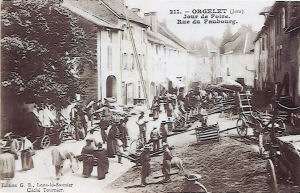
column 26, row 154
column 7, row 164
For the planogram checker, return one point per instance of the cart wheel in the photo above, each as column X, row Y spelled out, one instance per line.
column 241, row 127
column 62, row 136
column 271, row 172
column 45, row 142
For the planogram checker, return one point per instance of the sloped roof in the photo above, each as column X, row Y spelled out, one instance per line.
column 109, row 11
column 162, row 29
column 160, row 39
column 88, row 16
column 122, row 11
column 265, row 10
column 241, row 41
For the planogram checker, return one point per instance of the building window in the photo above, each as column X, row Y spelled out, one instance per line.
column 141, row 61
column 132, row 62
column 144, row 61
column 110, row 36
column 109, row 58
column 278, row 24
column 144, row 36
column 125, row 61
column 263, row 44
column 228, row 72
column 295, row 11
column 279, row 59
column 283, row 18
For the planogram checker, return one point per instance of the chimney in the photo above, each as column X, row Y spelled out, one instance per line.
column 147, row 17
column 135, row 10
column 151, row 20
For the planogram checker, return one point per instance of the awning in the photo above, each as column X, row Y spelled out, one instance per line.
column 229, row 83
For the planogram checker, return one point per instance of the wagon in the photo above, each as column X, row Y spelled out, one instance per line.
column 263, row 126
column 49, row 136
column 284, row 160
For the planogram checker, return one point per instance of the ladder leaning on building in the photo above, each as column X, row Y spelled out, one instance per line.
column 137, row 59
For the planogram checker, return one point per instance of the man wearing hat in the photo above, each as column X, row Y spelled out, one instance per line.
column 88, row 152
column 7, row 163
column 193, row 185
column 145, row 162
column 167, row 157
column 154, row 137
column 164, row 132
column 111, row 140
column 123, row 131
column 102, row 161
column 155, row 107
column 142, row 127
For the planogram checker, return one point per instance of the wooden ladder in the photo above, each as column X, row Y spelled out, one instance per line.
column 245, row 103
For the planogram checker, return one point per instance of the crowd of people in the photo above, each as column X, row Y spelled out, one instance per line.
column 114, row 135
column 14, row 150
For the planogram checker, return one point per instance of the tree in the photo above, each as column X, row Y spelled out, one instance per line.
column 43, row 51
column 227, row 35
column 41, row 47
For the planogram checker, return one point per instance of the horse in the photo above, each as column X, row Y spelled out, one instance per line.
column 58, row 158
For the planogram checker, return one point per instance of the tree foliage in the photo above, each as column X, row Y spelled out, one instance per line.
column 227, row 35
column 42, row 52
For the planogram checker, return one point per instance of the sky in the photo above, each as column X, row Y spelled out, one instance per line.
column 192, row 32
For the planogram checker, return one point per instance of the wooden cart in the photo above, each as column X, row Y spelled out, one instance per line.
column 284, row 160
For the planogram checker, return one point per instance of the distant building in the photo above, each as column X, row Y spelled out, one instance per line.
column 236, row 62
column 277, row 53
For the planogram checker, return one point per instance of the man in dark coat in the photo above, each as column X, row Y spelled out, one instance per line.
column 123, row 132
column 154, row 137
column 145, row 161
column 111, row 140
column 102, row 162
column 103, row 127
column 164, row 132
column 88, row 153
column 167, row 157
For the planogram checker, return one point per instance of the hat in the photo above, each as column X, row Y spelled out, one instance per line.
column 163, row 122
column 193, row 177
column 88, row 139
